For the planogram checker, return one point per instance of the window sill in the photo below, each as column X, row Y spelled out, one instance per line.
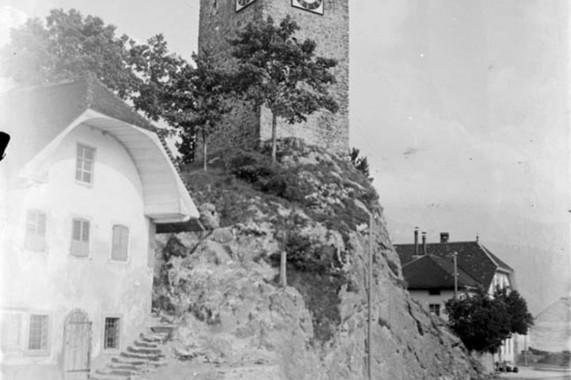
column 37, row 353
column 84, row 184
column 120, row 262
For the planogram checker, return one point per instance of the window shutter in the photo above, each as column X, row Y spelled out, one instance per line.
column 10, row 327
column 77, row 229
column 120, row 243
column 35, row 239
column 80, row 237
column 85, row 234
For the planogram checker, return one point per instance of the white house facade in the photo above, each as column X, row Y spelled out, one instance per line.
column 429, row 271
column 79, row 214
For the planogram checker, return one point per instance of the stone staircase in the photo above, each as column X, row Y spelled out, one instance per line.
column 145, row 355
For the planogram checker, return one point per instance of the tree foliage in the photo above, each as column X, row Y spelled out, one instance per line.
column 520, row 318
column 195, row 102
column 69, row 46
column 278, row 71
column 66, row 47
column 483, row 322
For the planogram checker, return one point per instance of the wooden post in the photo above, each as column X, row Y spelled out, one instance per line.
column 283, row 262
column 369, row 298
column 455, row 255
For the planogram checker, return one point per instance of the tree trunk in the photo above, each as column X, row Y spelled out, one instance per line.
column 204, row 148
column 274, row 137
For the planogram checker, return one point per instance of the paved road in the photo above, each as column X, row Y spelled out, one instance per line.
column 531, row 374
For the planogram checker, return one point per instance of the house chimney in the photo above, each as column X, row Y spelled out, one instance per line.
column 424, row 243
column 416, row 241
column 444, row 236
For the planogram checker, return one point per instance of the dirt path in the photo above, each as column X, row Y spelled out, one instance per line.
column 187, row 370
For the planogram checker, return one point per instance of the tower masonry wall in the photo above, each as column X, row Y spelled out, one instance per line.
column 246, row 126
column 218, row 22
column 331, row 33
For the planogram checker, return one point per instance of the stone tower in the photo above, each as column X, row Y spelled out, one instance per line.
column 324, row 21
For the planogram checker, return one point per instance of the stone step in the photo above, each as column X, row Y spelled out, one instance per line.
column 107, row 377
column 163, row 329
column 144, row 350
column 130, row 367
column 152, row 338
column 116, row 372
column 129, row 361
column 145, row 344
column 137, row 362
column 154, row 358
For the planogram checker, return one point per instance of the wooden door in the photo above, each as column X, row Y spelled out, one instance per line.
column 77, row 346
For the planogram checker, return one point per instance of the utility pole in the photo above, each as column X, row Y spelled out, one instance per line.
column 369, row 298
column 455, row 257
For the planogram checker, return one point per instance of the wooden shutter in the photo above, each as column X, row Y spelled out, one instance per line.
column 120, row 243
column 80, row 237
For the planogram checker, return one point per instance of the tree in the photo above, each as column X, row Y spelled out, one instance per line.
column 196, row 101
column 69, row 46
column 520, row 318
column 156, row 69
column 277, row 71
column 483, row 322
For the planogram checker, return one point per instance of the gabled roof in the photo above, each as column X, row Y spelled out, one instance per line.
column 51, row 108
column 473, row 258
column 40, row 118
column 434, row 272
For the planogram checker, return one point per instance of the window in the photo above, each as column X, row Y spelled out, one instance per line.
column 80, row 237
column 120, row 243
column 434, row 308
column 434, row 292
column 35, row 239
column 10, row 327
column 84, row 164
column 38, row 337
column 112, row 333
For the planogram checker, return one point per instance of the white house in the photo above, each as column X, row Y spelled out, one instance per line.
column 84, row 183
column 428, row 269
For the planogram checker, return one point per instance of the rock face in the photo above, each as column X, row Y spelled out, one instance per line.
column 223, row 284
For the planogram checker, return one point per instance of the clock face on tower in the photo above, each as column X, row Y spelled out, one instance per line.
column 241, row 4
column 315, row 6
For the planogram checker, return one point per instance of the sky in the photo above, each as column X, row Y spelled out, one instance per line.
column 461, row 106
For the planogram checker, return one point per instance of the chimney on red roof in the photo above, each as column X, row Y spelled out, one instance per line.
column 416, row 241
column 444, row 236
column 424, row 243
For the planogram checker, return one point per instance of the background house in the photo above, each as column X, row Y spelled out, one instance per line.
column 551, row 330
column 428, row 269
column 84, row 184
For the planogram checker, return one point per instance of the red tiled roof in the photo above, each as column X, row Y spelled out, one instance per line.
column 434, row 272
column 473, row 258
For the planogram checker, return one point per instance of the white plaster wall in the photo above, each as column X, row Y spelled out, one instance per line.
column 56, row 282
column 500, row 280
column 425, row 299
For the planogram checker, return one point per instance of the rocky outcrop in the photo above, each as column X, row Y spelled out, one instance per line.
column 224, row 287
